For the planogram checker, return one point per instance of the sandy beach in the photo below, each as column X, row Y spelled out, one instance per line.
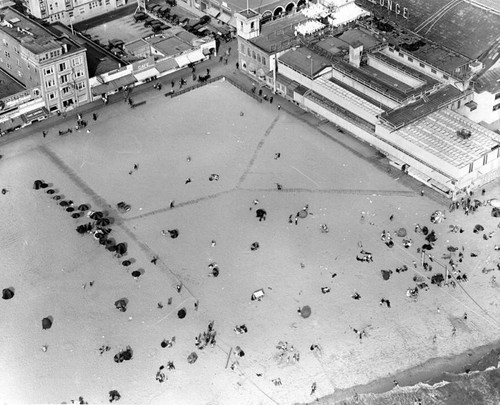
column 218, row 130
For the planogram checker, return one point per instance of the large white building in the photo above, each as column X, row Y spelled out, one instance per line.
column 396, row 92
column 70, row 11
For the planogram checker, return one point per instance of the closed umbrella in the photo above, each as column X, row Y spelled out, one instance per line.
column 7, row 293
column 305, row 311
column 47, row 322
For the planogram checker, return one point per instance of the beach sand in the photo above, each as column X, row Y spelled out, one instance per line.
column 193, row 136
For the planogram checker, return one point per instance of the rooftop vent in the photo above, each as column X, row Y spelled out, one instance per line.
column 464, row 133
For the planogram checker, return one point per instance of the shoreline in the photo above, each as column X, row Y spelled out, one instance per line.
column 434, row 371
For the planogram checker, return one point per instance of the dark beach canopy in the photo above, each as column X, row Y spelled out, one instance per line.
column 121, row 304
column 47, row 322
column 44, row 185
column 126, row 263
column 37, row 184
column 260, row 213
column 174, row 233
column 103, row 222
column 64, row 203
column 97, row 215
column 7, row 293
column 137, row 273
column 121, row 248
column 83, row 207
column 495, row 212
column 51, row 191
column 478, row 228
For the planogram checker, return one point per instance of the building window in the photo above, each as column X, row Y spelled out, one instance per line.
column 65, row 90
column 253, row 55
column 401, row 55
column 80, row 85
column 264, row 61
column 445, row 77
column 485, row 159
column 48, row 71
column 64, row 79
column 50, row 83
column 79, row 73
column 248, row 52
column 422, row 65
column 410, row 59
column 252, row 25
column 52, row 95
column 62, row 66
column 243, row 50
column 459, row 103
column 497, row 96
column 77, row 61
column 258, row 58
column 496, row 107
column 471, row 167
column 433, row 71
column 391, row 50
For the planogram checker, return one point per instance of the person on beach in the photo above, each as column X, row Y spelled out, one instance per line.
column 154, row 259
column 313, row 388
column 4, row 191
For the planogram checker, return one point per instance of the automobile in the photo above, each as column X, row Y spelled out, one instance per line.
column 184, row 22
column 156, row 23
column 204, row 20
column 155, row 8
column 174, row 18
column 123, row 207
column 148, row 21
column 140, row 17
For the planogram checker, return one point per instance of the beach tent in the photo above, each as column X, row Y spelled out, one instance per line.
column 257, row 295
column 103, row 221
column 7, row 293
column 305, row 311
column 121, row 304
column 192, row 358
column 478, row 228
column 47, row 322
column 83, row 207
column 44, row 185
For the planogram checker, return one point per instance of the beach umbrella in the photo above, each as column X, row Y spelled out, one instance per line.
column 260, row 213
column 114, row 395
column 47, row 322
column 401, row 232
column 495, row 203
column 452, row 249
column 437, row 217
column 7, row 293
column 254, row 246
column 121, row 248
column 102, row 241
column 121, row 304
column 303, row 213
column 97, row 215
column 137, row 273
column 75, row 215
column 386, row 274
column 44, row 185
column 123, row 355
column 174, row 233
column 83, row 207
column 103, row 222
column 478, row 228
column 192, row 358
column 37, row 184
column 495, row 212
column 70, row 209
column 99, row 234
column 111, row 247
column 126, row 263
column 305, row 311
column 51, row 191
column 56, row 197
column 64, row 203
column 182, row 313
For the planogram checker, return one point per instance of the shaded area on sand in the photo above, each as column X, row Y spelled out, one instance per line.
column 468, row 378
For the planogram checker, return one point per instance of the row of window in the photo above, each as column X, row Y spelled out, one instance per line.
column 485, row 161
column 63, row 79
column 257, row 56
column 422, row 65
column 496, row 107
column 66, row 65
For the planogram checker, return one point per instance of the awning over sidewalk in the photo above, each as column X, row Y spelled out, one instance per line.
column 35, row 115
column 13, row 123
column 232, row 22
column 196, row 56
column 224, row 18
column 182, row 60
column 166, row 65
column 113, row 85
column 212, row 12
column 147, row 74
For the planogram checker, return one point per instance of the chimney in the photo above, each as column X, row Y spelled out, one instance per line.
column 355, row 52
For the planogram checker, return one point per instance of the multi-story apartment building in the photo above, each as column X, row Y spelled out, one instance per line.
column 70, row 11
column 54, row 67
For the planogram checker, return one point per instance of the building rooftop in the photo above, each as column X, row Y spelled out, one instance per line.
column 169, row 46
column 305, row 61
column 8, row 86
column 34, row 37
column 99, row 60
column 489, row 81
column 248, row 13
column 278, row 35
column 356, row 35
column 260, row 6
column 437, row 134
column 466, row 27
column 402, row 116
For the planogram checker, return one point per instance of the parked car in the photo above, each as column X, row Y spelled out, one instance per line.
column 148, row 21
column 204, row 20
column 140, row 17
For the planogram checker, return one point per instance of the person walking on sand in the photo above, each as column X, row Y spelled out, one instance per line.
column 313, row 388
column 44, row 133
